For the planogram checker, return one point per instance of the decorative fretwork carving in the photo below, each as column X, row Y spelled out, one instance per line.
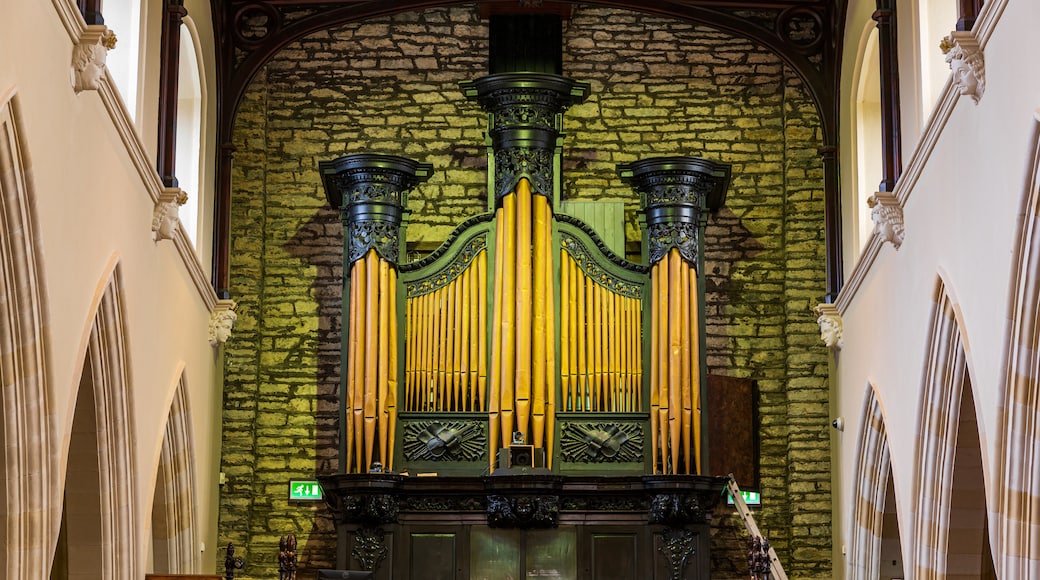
column 89, row 56
column 602, row 442
column 582, row 256
column 222, row 321
column 459, row 264
column 370, row 510
column 887, row 215
column 831, row 327
column 964, row 55
column 523, row 511
column 680, row 547
column 667, row 235
column 441, row 250
column 380, row 236
column 671, row 188
column 677, row 510
column 165, row 215
column 516, row 162
column 601, row 245
column 453, row 503
column 603, row 502
column 444, row 441
column 369, row 548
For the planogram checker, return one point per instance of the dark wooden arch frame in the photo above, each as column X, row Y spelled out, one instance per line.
column 822, row 80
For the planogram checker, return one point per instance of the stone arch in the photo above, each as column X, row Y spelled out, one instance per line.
column 949, row 456
column 1019, row 461
column 98, row 523
column 29, row 467
column 174, row 530
column 874, row 496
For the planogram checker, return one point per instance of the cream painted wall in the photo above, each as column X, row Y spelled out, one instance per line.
column 962, row 219
column 94, row 210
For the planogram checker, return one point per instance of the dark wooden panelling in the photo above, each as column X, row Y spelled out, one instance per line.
column 614, row 556
column 733, row 429
column 432, row 555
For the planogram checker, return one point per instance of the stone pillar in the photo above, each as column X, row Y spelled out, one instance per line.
column 677, row 193
column 370, row 192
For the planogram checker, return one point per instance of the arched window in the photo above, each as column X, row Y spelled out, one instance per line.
column 868, row 133
column 937, row 18
column 189, row 127
column 124, row 18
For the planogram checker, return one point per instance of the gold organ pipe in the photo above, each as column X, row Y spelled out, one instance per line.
column 565, row 330
column 626, row 360
column 481, row 324
column 615, row 352
column 508, row 321
column 448, row 347
column 522, row 318
column 429, row 354
column 541, row 267
column 655, row 397
column 695, row 370
column 391, row 403
column 684, row 365
column 371, row 358
column 409, row 361
column 383, row 357
column 462, row 362
column 675, row 369
column 443, row 388
column 494, row 416
column 549, row 338
column 352, row 368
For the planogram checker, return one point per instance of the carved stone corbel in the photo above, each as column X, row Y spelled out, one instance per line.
column 165, row 216
column 887, row 215
column 89, row 56
column 964, row 56
column 222, row 321
column 831, row 329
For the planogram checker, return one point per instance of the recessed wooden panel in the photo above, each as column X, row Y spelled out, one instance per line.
column 732, row 420
column 551, row 554
column 614, row 556
column 432, row 556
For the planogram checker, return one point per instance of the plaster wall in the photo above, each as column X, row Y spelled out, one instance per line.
column 963, row 200
column 94, row 208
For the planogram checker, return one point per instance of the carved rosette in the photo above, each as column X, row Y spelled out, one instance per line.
column 677, row 193
column 526, row 121
column 523, row 511
column 964, row 55
column 370, row 192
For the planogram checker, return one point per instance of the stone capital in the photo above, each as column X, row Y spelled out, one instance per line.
column 89, row 56
column 831, row 328
column 964, row 56
column 887, row 215
column 222, row 321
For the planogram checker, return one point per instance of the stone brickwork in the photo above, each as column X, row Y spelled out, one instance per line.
column 659, row 87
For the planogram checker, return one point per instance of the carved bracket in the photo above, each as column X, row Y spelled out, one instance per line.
column 369, row 510
column 831, row 328
column 887, row 216
column 523, row 511
column 221, row 321
column 967, row 64
column 370, row 549
column 677, row 510
column 89, row 56
column 165, row 215
column 679, row 546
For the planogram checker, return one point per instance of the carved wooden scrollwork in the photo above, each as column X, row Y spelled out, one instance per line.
column 523, row 511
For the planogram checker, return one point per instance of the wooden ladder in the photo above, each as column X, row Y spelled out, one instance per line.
column 775, row 569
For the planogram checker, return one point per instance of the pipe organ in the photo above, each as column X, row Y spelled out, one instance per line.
column 523, row 321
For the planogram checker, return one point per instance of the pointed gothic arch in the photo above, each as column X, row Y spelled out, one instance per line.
column 1019, row 462
column 949, row 457
column 874, row 496
column 98, row 521
column 28, row 479
column 174, row 529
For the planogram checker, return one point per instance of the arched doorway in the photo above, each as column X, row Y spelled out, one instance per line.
column 174, row 542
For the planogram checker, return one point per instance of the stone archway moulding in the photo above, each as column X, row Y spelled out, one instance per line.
column 29, row 466
column 871, row 481
column 177, row 484
column 1017, row 534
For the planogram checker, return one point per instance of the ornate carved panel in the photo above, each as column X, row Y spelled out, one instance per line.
column 445, row 440
column 602, row 442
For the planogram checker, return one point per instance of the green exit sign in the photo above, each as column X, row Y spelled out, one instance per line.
column 304, row 491
column 750, row 498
